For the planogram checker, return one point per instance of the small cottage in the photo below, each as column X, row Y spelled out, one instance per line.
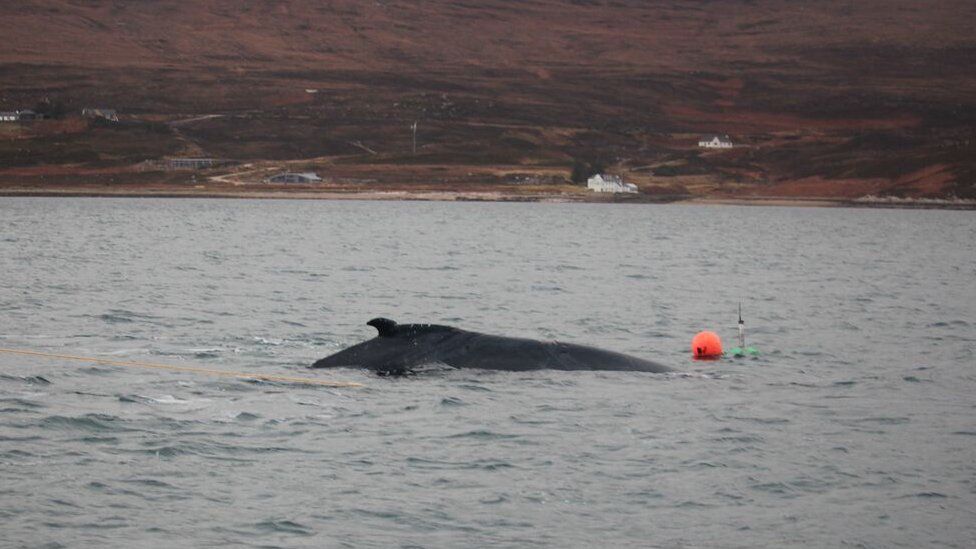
column 609, row 184
column 290, row 177
column 20, row 116
column 715, row 142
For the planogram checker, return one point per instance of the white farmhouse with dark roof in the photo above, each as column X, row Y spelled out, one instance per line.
column 715, row 142
column 609, row 184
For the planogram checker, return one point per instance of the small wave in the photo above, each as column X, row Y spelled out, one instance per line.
column 949, row 323
column 87, row 422
column 21, row 403
column 122, row 316
column 440, row 268
column 690, row 375
column 284, row 526
column 115, row 319
column 548, row 289
column 98, row 440
column 881, row 420
column 32, row 380
column 695, row 505
column 764, row 420
column 703, row 465
column 481, row 434
column 742, row 439
column 170, row 399
column 452, row 401
column 491, row 465
column 97, row 370
column 926, row 495
column 773, row 488
column 493, row 500
column 31, row 438
column 164, row 399
column 532, row 421
column 128, row 352
column 205, row 350
column 913, row 379
column 151, row 482
column 210, row 449
column 17, row 454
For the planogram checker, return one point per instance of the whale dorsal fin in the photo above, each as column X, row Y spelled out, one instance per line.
column 384, row 326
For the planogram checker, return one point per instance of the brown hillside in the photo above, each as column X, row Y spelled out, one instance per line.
column 829, row 98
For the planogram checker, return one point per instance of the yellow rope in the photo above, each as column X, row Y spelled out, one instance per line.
column 190, row 369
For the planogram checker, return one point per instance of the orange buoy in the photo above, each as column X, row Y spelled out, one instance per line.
column 706, row 345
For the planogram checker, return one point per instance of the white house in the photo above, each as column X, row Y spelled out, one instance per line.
column 609, row 184
column 17, row 116
column 289, row 177
column 715, row 142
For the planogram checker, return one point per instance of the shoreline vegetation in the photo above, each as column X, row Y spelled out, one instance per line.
column 452, row 195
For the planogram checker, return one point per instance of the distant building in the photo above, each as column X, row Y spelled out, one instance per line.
column 19, row 116
column 290, row 177
column 107, row 114
column 609, row 184
column 194, row 163
column 715, row 142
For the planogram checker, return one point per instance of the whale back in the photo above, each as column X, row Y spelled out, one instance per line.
column 397, row 348
column 400, row 348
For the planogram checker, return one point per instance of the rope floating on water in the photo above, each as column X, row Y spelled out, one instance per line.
column 188, row 369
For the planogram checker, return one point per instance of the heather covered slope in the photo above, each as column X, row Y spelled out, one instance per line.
column 829, row 98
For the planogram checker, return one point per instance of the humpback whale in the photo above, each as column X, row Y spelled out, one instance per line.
column 399, row 348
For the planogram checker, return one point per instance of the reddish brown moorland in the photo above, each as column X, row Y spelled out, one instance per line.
column 834, row 99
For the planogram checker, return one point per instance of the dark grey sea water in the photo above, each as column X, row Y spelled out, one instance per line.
column 855, row 427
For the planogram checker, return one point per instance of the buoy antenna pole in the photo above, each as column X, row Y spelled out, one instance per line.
column 742, row 329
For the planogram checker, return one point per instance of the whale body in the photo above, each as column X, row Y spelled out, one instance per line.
column 399, row 348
